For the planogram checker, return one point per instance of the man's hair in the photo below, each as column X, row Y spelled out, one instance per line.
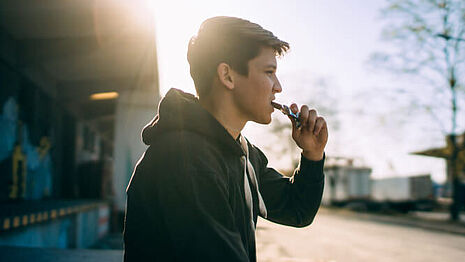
column 229, row 40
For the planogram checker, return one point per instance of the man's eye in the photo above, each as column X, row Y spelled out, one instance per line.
column 269, row 72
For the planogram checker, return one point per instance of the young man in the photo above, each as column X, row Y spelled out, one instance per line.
column 197, row 191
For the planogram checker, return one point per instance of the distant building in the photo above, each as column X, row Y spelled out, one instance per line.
column 445, row 153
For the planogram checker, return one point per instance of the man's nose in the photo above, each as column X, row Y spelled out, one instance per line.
column 277, row 86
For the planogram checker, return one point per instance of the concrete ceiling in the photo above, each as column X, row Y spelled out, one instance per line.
column 75, row 48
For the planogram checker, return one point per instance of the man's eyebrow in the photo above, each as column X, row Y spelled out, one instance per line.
column 271, row 65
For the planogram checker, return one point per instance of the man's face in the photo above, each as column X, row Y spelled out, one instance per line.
column 253, row 94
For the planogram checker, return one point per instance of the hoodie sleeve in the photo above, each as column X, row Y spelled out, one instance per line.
column 292, row 201
column 192, row 200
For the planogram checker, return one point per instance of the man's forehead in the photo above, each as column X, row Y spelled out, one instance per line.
column 266, row 58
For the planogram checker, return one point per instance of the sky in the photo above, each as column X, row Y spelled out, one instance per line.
column 331, row 42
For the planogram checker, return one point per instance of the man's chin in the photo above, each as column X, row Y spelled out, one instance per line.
column 264, row 121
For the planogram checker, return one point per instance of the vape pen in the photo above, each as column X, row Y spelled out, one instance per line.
column 287, row 111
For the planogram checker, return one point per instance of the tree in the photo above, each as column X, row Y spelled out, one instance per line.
column 430, row 46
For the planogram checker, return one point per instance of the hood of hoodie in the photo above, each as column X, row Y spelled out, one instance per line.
column 180, row 111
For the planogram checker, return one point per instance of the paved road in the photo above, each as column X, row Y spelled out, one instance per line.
column 335, row 237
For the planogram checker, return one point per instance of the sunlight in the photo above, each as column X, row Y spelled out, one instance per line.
column 120, row 18
column 176, row 22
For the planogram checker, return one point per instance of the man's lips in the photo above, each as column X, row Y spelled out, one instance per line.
column 276, row 105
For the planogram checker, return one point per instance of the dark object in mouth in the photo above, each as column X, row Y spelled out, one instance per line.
column 287, row 111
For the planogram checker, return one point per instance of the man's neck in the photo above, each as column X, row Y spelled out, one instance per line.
column 224, row 111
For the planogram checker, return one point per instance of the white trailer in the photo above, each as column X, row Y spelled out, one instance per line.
column 345, row 182
column 403, row 193
column 402, row 189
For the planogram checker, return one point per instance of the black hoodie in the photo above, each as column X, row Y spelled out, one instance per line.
column 185, row 200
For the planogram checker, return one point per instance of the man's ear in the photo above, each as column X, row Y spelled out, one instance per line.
column 225, row 75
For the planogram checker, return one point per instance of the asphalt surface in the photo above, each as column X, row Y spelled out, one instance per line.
column 335, row 235
column 346, row 236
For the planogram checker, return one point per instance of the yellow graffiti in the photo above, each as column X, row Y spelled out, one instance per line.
column 19, row 164
column 44, row 146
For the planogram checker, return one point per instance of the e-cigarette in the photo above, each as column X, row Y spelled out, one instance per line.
column 287, row 111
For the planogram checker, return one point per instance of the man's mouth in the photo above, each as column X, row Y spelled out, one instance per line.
column 276, row 105
column 287, row 111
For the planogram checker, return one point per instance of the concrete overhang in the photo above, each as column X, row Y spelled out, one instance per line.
column 72, row 49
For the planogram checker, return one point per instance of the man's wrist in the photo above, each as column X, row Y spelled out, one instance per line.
column 313, row 156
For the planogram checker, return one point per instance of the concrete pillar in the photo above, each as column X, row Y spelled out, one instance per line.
column 135, row 108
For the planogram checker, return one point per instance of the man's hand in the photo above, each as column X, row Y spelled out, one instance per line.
column 312, row 135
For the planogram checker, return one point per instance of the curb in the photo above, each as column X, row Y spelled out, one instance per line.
column 457, row 228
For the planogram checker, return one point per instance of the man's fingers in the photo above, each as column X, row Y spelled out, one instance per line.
column 308, row 118
column 294, row 108
column 319, row 124
column 303, row 115
column 311, row 120
column 293, row 122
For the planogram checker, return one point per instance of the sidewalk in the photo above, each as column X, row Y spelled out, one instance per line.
column 436, row 221
column 25, row 254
